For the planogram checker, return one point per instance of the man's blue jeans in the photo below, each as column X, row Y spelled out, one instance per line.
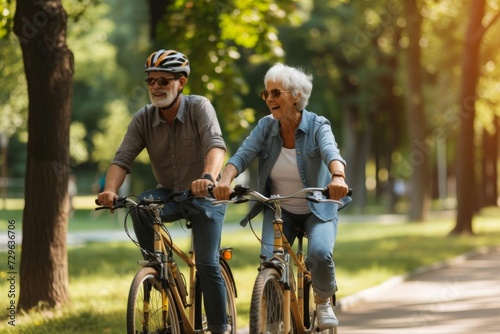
column 206, row 228
column 321, row 237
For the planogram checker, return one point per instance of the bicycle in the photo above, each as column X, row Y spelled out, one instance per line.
column 160, row 300
column 276, row 289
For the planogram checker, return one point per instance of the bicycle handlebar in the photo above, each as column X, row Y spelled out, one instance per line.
column 241, row 193
column 125, row 201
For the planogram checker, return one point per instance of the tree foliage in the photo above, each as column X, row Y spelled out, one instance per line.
column 224, row 41
column 354, row 49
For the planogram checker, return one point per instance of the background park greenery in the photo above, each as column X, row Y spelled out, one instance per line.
column 357, row 52
column 411, row 88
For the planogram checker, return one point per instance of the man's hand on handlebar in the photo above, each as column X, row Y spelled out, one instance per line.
column 107, row 198
column 201, row 187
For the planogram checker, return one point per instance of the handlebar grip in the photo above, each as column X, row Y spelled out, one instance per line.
column 118, row 203
column 327, row 194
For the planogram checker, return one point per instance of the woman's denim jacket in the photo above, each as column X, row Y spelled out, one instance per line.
column 315, row 148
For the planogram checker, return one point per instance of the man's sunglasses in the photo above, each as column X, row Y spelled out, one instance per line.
column 275, row 93
column 161, row 81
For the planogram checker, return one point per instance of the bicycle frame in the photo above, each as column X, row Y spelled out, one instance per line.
column 283, row 255
column 172, row 288
column 163, row 245
column 293, row 299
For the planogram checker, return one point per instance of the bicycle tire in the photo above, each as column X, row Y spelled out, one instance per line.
column 200, row 317
column 310, row 318
column 267, row 307
column 146, row 290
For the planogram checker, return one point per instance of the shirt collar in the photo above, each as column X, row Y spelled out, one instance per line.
column 304, row 121
column 181, row 113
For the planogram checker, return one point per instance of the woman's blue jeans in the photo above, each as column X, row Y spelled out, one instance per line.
column 321, row 237
column 206, row 228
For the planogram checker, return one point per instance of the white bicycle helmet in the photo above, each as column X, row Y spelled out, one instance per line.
column 168, row 61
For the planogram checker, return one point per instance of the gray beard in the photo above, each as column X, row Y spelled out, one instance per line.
column 163, row 102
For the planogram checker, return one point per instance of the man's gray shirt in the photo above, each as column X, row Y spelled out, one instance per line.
column 177, row 152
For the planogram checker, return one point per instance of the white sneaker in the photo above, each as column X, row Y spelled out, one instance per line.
column 326, row 317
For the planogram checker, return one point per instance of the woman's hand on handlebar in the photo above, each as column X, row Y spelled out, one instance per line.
column 222, row 191
column 337, row 189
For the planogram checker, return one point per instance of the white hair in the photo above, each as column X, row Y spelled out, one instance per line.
column 293, row 79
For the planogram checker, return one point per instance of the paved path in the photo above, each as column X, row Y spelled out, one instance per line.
column 461, row 296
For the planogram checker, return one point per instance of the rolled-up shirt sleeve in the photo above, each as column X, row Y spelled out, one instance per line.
column 328, row 145
column 209, row 127
column 131, row 146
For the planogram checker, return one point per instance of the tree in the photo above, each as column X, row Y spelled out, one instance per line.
column 341, row 46
column 216, row 36
column 419, row 194
column 466, row 180
column 48, row 63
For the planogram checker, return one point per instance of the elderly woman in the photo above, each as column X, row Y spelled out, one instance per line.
column 295, row 149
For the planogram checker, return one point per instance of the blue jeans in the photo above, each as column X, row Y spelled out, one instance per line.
column 206, row 228
column 321, row 237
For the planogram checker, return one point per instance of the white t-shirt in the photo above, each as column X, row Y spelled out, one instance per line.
column 286, row 180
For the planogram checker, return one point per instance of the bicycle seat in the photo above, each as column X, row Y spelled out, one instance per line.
column 301, row 233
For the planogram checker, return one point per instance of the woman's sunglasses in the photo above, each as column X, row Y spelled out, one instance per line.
column 161, row 81
column 275, row 93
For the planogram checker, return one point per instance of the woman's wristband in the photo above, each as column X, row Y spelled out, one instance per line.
column 338, row 173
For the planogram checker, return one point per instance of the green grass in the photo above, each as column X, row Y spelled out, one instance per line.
column 366, row 254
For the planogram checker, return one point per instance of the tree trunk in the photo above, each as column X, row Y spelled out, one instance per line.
column 489, row 165
column 355, row 142
column 157, row 9
column 465, row 152
column 41, row 29
column 419, row 196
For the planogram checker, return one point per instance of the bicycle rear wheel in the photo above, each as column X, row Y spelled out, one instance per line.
column 145, row 313
column 267, row 306
column 200, row 317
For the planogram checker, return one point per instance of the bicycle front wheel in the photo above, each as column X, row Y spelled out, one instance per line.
column 145, row 313
column 267, row 306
